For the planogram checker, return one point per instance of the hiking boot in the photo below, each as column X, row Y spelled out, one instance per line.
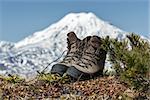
column 73, row 44
column 92, row 60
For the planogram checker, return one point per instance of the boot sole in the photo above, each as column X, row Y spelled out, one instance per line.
column 75, row 74
column 59, row 68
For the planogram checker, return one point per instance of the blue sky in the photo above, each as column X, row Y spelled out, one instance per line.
column 20, row 18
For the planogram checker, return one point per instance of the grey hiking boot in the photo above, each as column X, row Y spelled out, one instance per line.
column 73, row 44
column 92, row 60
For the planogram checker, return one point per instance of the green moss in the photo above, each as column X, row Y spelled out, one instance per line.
column 50, row 78
column 12, row 79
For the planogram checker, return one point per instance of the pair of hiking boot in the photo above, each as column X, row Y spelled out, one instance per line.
column 85, row 58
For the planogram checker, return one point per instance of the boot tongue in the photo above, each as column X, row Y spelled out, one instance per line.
column 72, row 37
column 95, row 41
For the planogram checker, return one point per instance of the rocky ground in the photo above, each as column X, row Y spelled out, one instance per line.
column 101, row 88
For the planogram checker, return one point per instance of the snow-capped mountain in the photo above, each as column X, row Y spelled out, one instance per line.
column 38, row 50
column 83, row 24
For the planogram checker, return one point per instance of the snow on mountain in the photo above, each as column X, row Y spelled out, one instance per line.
column 35, row 52
column 5, row 46
column 83, row 24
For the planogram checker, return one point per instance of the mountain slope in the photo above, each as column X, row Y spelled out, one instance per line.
column 35, row 52
column 83, row 24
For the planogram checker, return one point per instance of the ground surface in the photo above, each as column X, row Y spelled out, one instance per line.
column 102, row 88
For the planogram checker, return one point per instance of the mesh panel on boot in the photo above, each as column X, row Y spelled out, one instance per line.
column 93, row 58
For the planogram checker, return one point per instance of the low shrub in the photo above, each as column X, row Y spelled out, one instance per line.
column 131, row 60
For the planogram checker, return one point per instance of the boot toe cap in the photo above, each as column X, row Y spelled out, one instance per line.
column 59, row 68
